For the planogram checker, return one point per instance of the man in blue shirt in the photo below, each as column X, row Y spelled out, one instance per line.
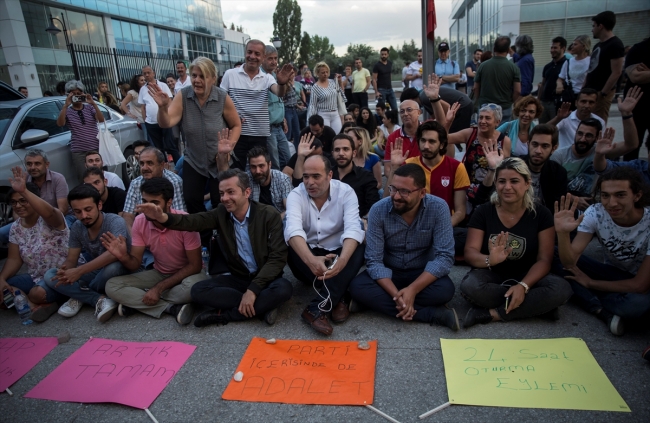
column 446, row 68
column 409, row 252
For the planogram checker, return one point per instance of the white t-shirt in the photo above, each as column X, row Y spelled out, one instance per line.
column 385, row 130
column 151, row 106
column 625, row 248
column 416, row 68
column 180, row 85
column 577, row 72
column 567, row 129
column 113, row 180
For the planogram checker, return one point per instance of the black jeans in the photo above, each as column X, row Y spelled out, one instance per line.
column 194, row 187
column 224, row 292
column 368, row 292
column 360, row 98
column 244, row 144
column 161, row 138
column 337, row 286
column 482, row 287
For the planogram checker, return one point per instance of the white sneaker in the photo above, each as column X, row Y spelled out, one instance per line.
column 70, row 308
column 105, row 308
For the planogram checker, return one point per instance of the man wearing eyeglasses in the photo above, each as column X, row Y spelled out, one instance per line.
column 409, row 253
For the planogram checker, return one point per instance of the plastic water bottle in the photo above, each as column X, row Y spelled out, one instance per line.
column 206, row 260
column 22, row 306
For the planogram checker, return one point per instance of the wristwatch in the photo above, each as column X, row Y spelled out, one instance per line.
column 436, row 100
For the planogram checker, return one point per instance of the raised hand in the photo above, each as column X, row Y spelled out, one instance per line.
column 114, row 245
column 631, row 99
column 432, row 90
column 564, row 217
column 304, row 147
column 158, row 95
column 90, row 100
column 605, row 143
column 19, row 181
column 493, row 154
column 564, row 111
column 285, row 74
column 396, row 157
column 152, row 211
column 499, row 249
column 451, row 113
column 225, row 144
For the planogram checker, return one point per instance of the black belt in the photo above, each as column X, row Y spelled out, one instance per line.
column 289, row 107
column 276, row 125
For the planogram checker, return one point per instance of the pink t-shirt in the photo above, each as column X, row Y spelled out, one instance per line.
column 167, row 246
column 41, row 246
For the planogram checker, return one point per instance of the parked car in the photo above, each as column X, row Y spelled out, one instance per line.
column 31, row 123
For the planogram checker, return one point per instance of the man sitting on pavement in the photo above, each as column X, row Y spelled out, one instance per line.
column 325, row 239
column 249, row 234
column 619, row 288
column 307, row 147
column 177, row 266
column 152, row 165
column 409, row 253
column 361, row 180
column 94, row 159
column 319, row 130
column 113, row 198
column 85, row 283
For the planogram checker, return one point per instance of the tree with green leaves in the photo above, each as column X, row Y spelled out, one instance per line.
column 320, row 48
column 305, row 49
column 287, row 22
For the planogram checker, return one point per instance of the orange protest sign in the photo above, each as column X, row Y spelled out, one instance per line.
column 305, row 372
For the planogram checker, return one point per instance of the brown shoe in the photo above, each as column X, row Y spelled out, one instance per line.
column 340, row 313
column 43, row 311
column 318, row 322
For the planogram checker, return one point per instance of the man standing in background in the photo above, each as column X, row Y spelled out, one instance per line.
column 360, row 84
column 381, row 79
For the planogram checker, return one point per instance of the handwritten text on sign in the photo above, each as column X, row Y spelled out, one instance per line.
column 106, row 370
column 306, row 372
column 19, row 355
column 535, row 373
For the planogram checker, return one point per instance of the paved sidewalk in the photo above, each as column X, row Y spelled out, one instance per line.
column 410, row 376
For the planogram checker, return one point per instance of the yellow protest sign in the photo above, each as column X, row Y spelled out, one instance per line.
column 528, row 373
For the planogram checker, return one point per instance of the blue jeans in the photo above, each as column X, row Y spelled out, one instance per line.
column 624, row 304
column 368, row 292
column 389, row 96
column 291, row 115
column 25, row 283
column 277, row 147
column 4, row 234
column 95, row 281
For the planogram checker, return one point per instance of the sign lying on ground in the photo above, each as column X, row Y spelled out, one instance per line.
column 305, row 372
column 106, row 370
column 19, row 355
column 534, row 373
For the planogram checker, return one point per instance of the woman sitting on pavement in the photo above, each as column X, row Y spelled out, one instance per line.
column 38, row 239
column 510, row 248
column 518, row 130
column 365, row 158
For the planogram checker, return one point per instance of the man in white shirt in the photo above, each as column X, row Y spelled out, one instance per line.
column 325, row 238
column 414, row 74
column 94, row 159
column 567, row 123
column 183, row 80
column 161, row 138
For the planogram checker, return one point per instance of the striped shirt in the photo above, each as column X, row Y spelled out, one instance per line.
column 251, row 98
column 323, row 99
column 83, row 128
column 134, row 196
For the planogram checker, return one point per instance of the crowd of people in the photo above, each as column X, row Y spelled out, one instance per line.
column 539, row 178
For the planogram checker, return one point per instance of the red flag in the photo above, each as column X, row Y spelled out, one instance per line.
column 432, row 23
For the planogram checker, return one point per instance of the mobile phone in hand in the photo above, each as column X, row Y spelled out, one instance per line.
column 330, row 263
column 8, row 298
column 78, row 98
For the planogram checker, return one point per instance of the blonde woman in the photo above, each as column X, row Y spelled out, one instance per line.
column 324, row 97
column 510, row 248
column 365, row 158
column 578, row 66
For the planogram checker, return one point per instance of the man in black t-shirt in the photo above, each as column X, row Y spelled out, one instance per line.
column 550, row 74
column 308, row 146
column 361, row 180
column 318, row 129
column 637, row 68
column 382, row 81
column 470, row 69
column 606, row 64
column 112, row 198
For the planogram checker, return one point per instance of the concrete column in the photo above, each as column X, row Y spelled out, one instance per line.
column 17, row 50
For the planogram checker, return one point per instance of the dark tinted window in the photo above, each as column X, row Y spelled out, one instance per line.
column 42, row 117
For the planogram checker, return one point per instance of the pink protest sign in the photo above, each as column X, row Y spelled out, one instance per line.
column 106, row 370
column 19, row 355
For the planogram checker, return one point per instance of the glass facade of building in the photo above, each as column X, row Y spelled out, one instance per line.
column 198, row 45
column 131, row 36
column 169, row 42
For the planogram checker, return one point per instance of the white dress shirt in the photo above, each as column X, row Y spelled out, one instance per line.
column 328, row 227
column 149, row 103
column 180, row 85
column 567, row 129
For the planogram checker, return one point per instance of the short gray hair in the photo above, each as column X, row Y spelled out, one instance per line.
column 148, row 66
column 524, row 44
column 269, row 49
column 35, row 152
column 495, row 109
column 73, row 85
column 160, row 156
